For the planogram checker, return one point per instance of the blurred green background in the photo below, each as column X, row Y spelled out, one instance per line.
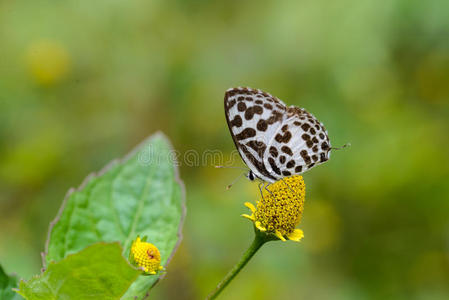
column 82, row 82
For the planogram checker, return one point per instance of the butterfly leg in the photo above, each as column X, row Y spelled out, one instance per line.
column 262, row 185
column 266, row 188
column 260, row 188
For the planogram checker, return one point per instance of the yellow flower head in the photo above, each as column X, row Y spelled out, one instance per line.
column 146, row 256
column 280, row 209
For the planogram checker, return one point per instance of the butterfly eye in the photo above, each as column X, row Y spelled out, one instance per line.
column 251, row 176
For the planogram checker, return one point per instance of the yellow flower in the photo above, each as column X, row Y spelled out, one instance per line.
column 280, row 209
column 146, row 256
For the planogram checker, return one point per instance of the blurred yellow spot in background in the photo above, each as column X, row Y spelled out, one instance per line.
column 48, row 62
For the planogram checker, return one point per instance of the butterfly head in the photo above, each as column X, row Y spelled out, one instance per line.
column 251, row 176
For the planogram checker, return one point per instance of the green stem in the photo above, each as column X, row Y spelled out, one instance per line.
column 259, row 240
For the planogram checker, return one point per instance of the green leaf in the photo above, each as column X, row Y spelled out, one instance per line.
column 97, row 272
column 7, row 283
column 139, row 195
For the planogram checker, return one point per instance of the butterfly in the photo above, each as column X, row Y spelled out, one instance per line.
column 275, row 141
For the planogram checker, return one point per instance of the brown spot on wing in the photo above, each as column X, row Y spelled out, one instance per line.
column 258, row 109
column 283, row 138
column 249, row 113
column 237, row 122
column 246, row 133
column 305, row 126
column 307, row 160
column 282, row 159
column 305, row 137
column 262, row 125
column 287, row 150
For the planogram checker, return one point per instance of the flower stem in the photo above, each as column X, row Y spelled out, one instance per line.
column 259, row 240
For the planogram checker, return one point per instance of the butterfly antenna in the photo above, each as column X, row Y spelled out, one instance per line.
column 235, row 180
column 342, row 147
column 230, row 167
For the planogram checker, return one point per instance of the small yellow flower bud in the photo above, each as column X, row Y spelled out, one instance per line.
column 146, row 256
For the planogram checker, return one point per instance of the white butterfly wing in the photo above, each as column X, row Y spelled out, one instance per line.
column 274, row 141
column 253, row 118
